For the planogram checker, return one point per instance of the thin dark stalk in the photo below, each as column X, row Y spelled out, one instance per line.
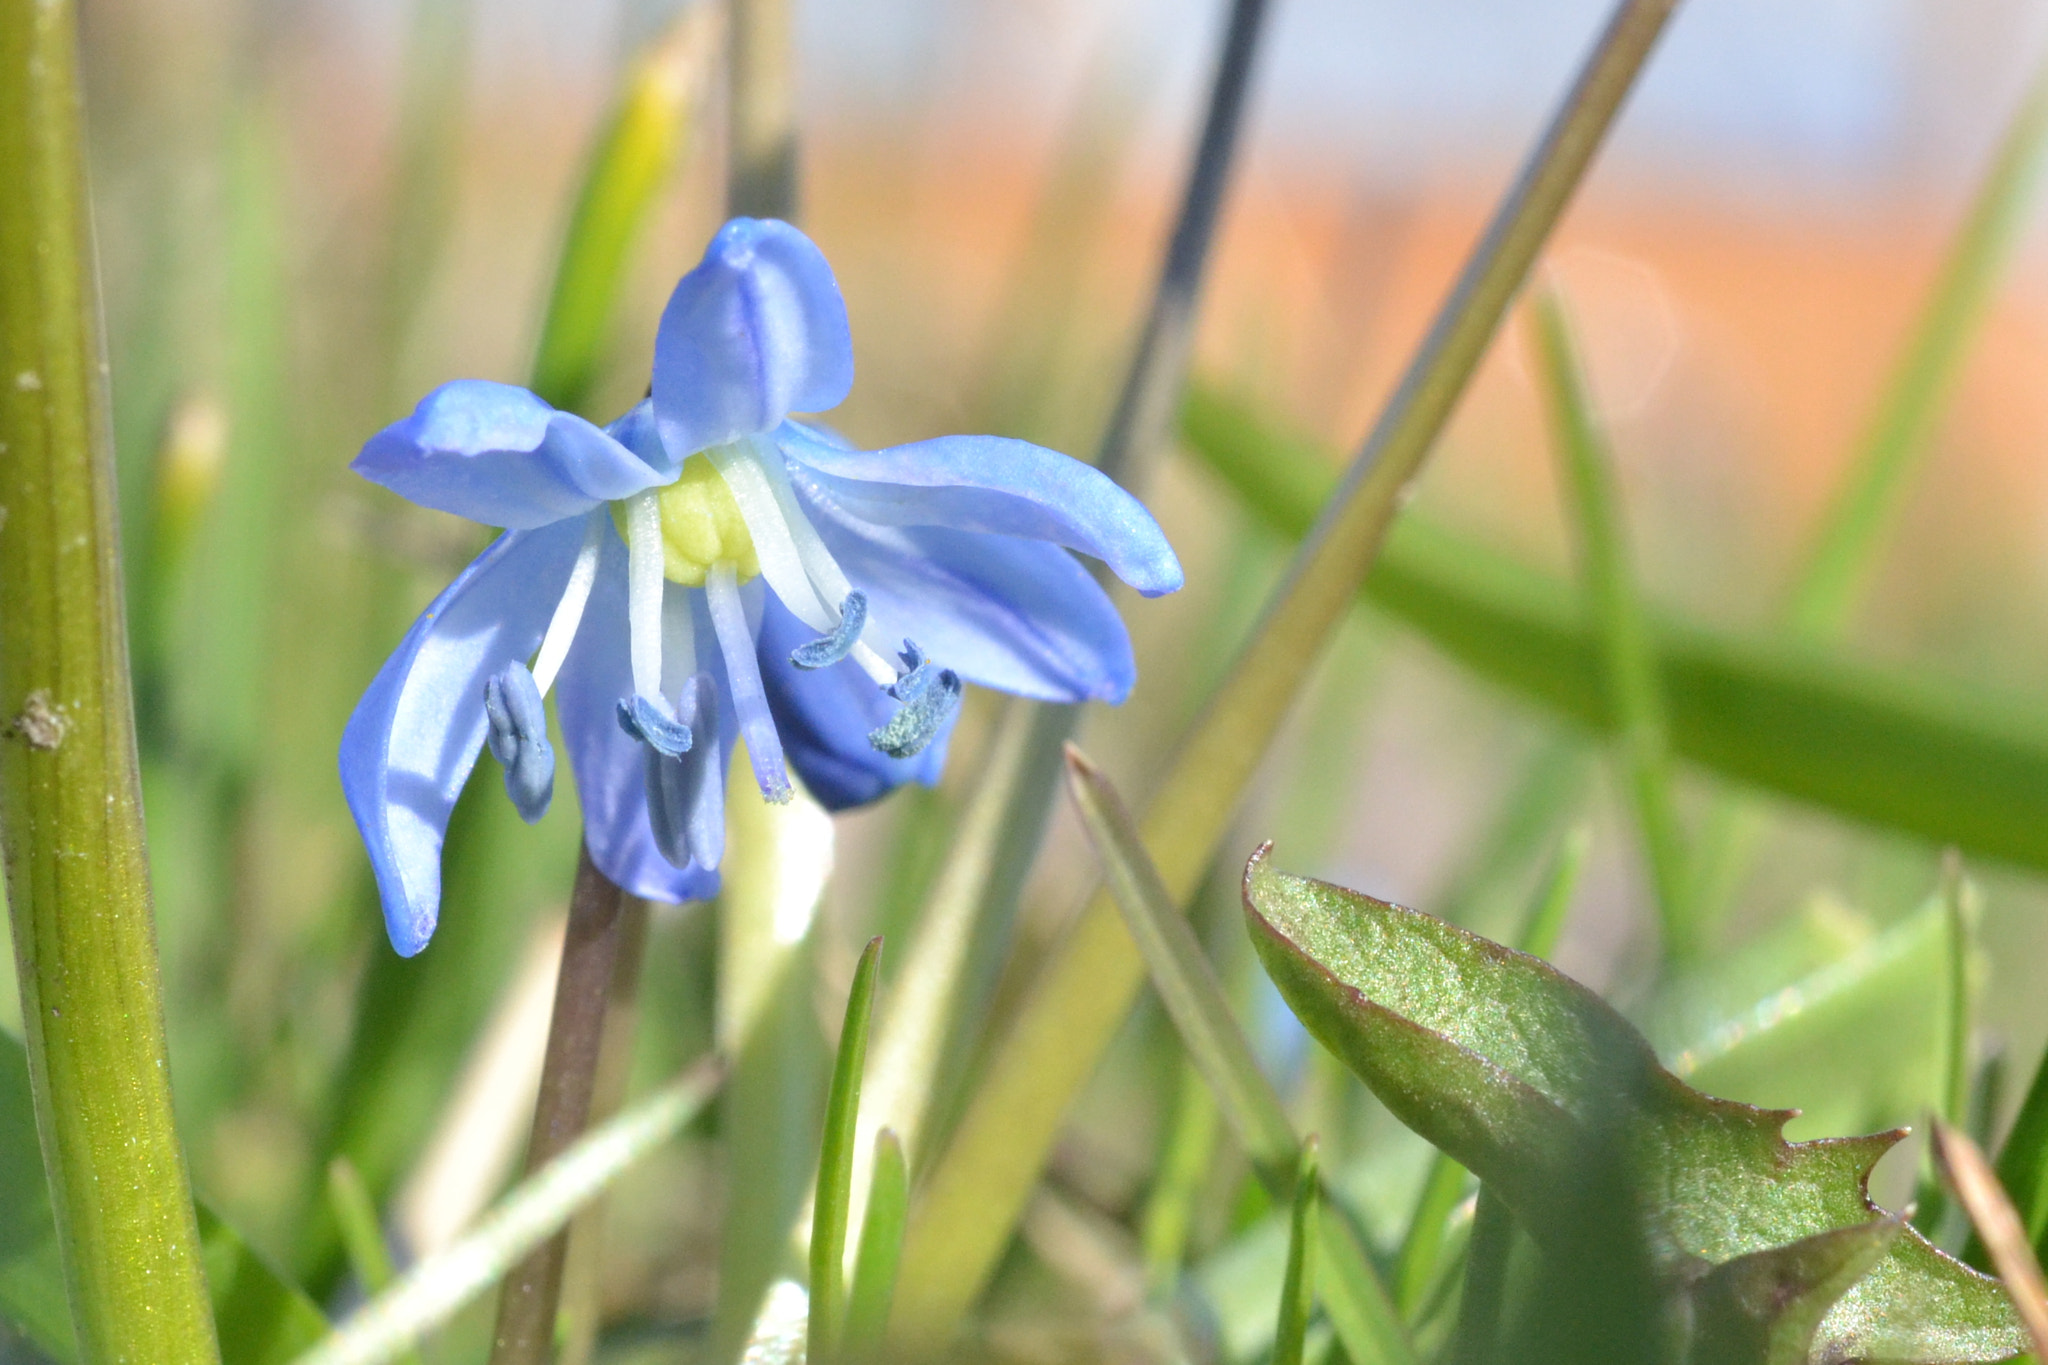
column 1151, row 392
column 590, row 953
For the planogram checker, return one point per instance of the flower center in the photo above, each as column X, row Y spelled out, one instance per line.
column 701, row 525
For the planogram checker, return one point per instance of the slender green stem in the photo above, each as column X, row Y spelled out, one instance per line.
column 1177, row 1178
column 1854, row 527
column 525, row 1332
column 974, row 1195
column 1298, row 1286
column 835, row 1167
column 1486, row 1273
column 70, row 802
column 881, row 1249
column 1634, row 692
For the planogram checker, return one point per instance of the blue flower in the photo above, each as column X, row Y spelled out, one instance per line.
column 706, row 569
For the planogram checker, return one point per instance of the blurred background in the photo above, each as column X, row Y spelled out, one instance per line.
column 312, row 211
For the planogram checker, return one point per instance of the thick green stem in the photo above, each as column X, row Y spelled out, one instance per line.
column 70, row 801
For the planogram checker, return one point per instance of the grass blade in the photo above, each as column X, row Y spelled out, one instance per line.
column 1941, row 762
column 1629, row 663
column 1359, row 1308
column 1845, row 550
column 2023, row 1166
column 436, row 1289
column 1486, row 1274
column 881, row 1248
column 356, row 1214
column 1998, row 1225
column 639, row 147
column 835, row 1165
column 977, row 1191
column 1298, row 1289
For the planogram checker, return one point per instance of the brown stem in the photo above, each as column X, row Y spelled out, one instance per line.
column 590, row 950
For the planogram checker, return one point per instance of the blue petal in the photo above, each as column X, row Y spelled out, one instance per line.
column 686, row 792
column 1020, row 616
column 992, row 484
column 754, row 333
column 610, row 765
column 824, row 716
column 498, row 455
column 415, row 734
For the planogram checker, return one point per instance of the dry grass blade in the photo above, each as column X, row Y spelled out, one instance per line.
column 1998, row 1223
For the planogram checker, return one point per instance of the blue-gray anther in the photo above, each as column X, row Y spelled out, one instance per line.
column 649, row 722
column 519, row 739
column 916, row 674
column 827, row 650
column 930, row 697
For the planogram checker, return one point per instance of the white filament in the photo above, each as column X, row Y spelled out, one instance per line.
column 678, row 640
column 793, row 557
column 645, row 578
column 554, row 646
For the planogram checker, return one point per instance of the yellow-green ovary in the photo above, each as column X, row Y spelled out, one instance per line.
column 701, row 525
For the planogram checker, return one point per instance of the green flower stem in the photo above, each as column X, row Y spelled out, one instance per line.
column 1486, row 1274
column 975, row 1193
column 1635, row 694
column 70, row 801
column 590, row 951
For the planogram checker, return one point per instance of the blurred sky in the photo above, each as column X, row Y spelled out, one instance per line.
column 1815, row 97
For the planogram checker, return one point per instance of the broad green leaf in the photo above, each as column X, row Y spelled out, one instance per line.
column 262, row 1318
column 1937, row 760
column 835, row 1165
column 1765, row 1308
column 1553, row 1100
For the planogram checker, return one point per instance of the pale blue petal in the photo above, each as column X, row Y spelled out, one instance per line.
column 610, row 766
column 824, row 716
column 757, row 331
column 635, row 430
column 498, row 455
column 415, row 734
column 686, row 793
column 1021, row 616
column 992, row 484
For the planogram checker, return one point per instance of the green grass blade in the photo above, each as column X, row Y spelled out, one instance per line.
column 1359, row 1306
column 1178, row 1178
column 356, row 1214
column 976, row 1192
column 1415, row 1266
column 434, row 1290
column 835, row 1165
column 1298, row 1289
column 262, row 1318
column 1486, row 1274
column 881, row 1248
column 1937, row 761
column 1180, row 970
column 1854, row 528
column 2023, row 1168
column 1629, row 662
column 70, row 801
column 632, row 159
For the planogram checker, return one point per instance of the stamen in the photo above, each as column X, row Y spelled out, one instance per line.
column 554, row 646
column 793, row 557
column 518, row 737
column 643, row 719
column 743, row 673
column 830, row 649
column 686, row 796
column 644, row 580
column 930, row 697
